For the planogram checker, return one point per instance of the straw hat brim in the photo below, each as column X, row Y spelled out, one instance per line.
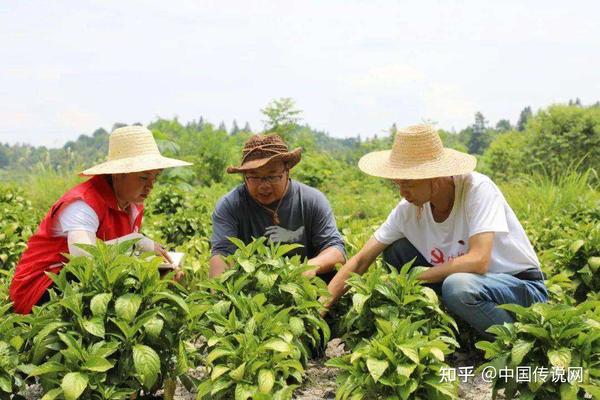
column 134, row 164
column 292, row 158
column 451, row 163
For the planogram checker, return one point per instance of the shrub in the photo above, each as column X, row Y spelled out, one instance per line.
column 398, row 362
column 258, row 320
column 549, row 336
column 112, row 327
column 388, row 294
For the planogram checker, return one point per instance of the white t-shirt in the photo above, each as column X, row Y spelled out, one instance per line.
column 479, row 206
column 79, row 216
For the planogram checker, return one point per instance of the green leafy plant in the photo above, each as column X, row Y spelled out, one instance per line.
column 578, row 252
column 253, row 351
column 112, row 328
column 387, row 294
column 398, row 362
column 548, row 336
column 17, row 222
column 258, row 321
column 13, row 330
column 257, row 268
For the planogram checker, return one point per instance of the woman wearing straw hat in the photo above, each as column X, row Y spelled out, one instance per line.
column 109, row 206
column 271, row 204
column 457, row 222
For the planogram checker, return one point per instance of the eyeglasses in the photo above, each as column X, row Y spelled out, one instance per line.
column 271, row 180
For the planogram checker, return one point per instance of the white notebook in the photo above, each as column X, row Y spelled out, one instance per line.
column 177, row 261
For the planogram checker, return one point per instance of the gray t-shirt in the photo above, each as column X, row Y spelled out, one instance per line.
column 305, row 218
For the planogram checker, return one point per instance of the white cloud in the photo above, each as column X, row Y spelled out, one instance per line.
column 387, row 77
column 448, row 105
column 77, row 120
column 354, row 66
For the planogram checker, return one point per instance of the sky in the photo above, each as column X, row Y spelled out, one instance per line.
column 353, row 67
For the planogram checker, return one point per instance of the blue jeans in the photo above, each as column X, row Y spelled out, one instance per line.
column 473, row 297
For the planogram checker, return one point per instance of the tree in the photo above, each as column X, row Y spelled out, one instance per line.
column 235, row 129
column 118, row 125
column 479, row 137
column 222, row 127
column 282, row 117
column 523, row 118
column 247, row 128
column 564, row 137
column 503, row 125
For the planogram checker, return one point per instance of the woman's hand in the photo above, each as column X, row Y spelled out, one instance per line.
column 161, row 251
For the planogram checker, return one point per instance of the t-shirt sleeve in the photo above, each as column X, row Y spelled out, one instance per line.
column 225, row 225
column 485, row 209
column 325, row 233
column 391, row 229
column 78, row 216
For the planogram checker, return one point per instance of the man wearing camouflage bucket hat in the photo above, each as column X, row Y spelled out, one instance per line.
column 455, row 221
column 271, row 204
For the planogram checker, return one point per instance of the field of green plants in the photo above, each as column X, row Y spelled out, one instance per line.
column 115, row 329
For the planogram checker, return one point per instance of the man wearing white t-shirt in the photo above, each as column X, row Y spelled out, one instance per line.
column 457, row 222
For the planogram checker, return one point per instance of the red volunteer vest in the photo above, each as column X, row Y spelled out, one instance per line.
column 44, row 251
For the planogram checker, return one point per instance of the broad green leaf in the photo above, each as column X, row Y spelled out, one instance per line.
column 183, row 364
column 405, row 369
column 449, row 389
column 430, row 294
column 178, row 300
column 99, row 304
column 278, row 345
column 491, row 349
column 410, row 353
column 568, row 391
column 127, row 306
column 73, row 384
column 147, row 364
column 244, row 392
column 515, row 308
column 519, row 350
column 95, row 326
column 52, row 394
column 358, row 301
column 216, row 353
column 536, row 331
column 98, row 364
column 439, row 354
column 594, row 263
column 238, row 373
column 46, row 368
column 247, row 265
column 560, row 357
column 576, row 245
column 297, row 326
column 217, row 371
column 5, row 384
column 154, row 327
column 376, row 367
column 266, row 380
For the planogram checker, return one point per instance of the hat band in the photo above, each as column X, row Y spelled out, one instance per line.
column 263, row 151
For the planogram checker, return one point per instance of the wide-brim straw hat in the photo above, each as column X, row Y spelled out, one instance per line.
column 259, row 150
column 417, row 153
column 132, row 149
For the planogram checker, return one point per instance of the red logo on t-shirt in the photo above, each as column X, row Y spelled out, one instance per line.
column 438, row 256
